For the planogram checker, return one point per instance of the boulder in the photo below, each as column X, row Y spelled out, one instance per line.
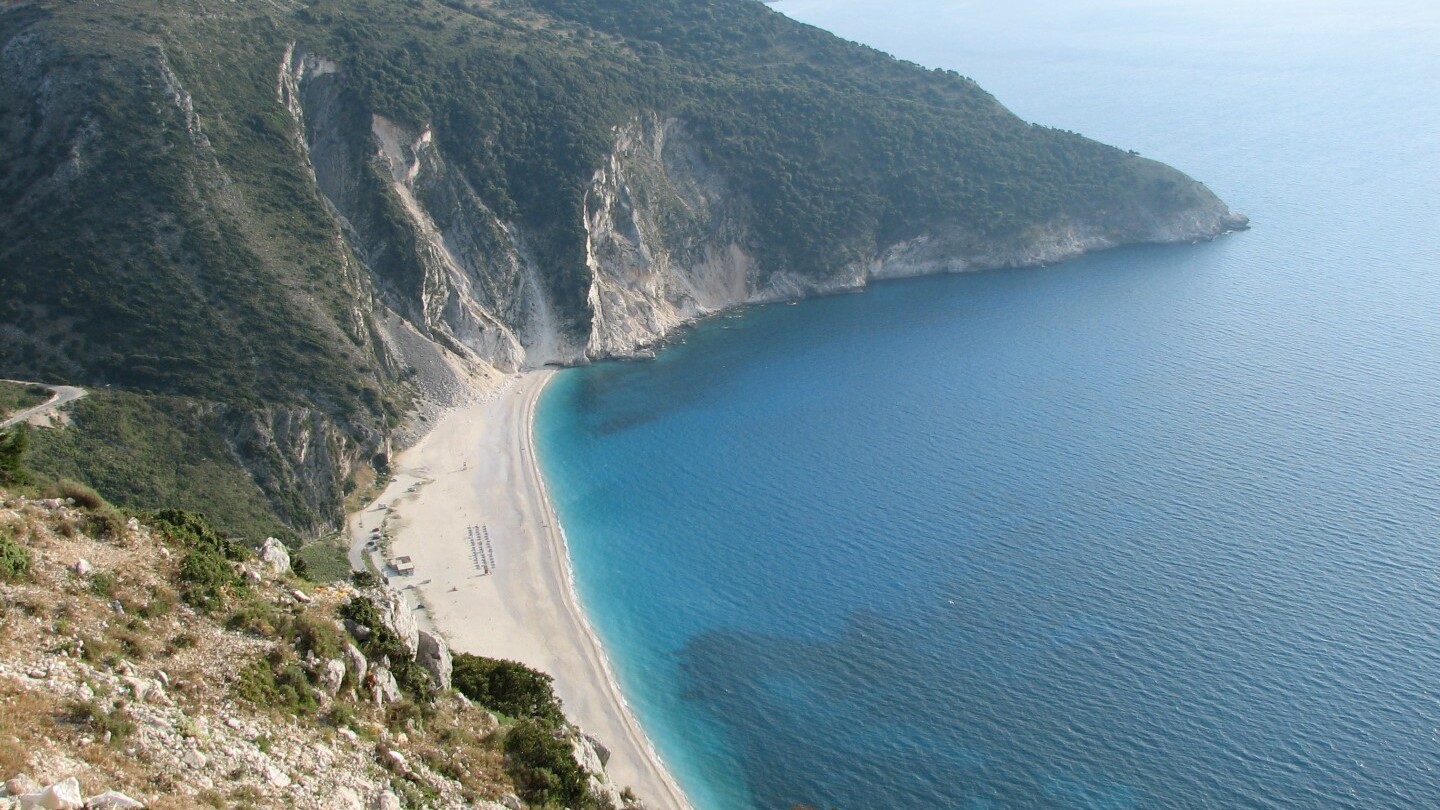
column 274, row 554
column 63, row 795
column 112, row 800
column 512, row 801
column 383, row 686
column 194, row 760
column 82, row 567
column 399, row 615
column 384, row 800
column 600, row 749
column 146, row 690
column 585, row 755
column 356, row 659
column 20, row 784
column 332, row 676
column 433, row 655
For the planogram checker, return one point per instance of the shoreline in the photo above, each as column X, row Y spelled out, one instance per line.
column 471, row 494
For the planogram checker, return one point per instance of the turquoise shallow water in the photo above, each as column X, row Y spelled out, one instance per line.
column 1156, row 528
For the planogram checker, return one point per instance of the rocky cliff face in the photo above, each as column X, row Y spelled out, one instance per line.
column 668, row 239
column 438, row 256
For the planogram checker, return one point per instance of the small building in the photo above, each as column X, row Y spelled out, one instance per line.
column 403, row 566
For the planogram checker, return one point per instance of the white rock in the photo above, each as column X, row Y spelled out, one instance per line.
column 348, row 734
column 399, row 615
column 384, row 687
column 332, row 676
column 357, row 662
column 600, row 749
column 113, row 800
column 585, row 755
column 346, row 799
column 512, row 801
column 20, row 784
column 433, row 654
column 301, row 597
column 274, row 554
column 384, row 800
column 63, row 795
column 276, row 777
column 146, row 690
column 82, row 567
column 396, row 759
column 194, row 760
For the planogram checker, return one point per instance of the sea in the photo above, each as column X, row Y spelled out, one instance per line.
column 1155, row 528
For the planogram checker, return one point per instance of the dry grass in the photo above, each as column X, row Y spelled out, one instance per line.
column 26, row 721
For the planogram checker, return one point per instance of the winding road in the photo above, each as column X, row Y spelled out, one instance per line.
column 59, row 395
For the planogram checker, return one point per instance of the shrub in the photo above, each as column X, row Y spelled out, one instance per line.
column 364, row 579
column 412, row 679
column 193, row 530
column 160, row 603
column 107, row 522
column 258, row 618
column 544, row 767
column 117, row 721
column 508, row 687
column 102, row 584
column 382, row 640
column 83, row 496
column 279, row 683
column 13, row 444
column 14, row 558
column 205, row 571
column 316, row 636
column 206, row 578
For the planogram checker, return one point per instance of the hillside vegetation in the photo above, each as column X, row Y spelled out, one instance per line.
column 240, row 267
column 148, row 655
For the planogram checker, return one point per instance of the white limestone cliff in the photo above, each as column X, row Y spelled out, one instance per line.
column 667, row 241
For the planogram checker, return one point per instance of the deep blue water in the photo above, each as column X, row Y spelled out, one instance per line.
column 1156, row 528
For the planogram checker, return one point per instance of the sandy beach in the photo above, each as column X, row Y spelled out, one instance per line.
column 468, row 499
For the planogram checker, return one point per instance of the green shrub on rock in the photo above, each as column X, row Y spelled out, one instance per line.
column 544, row 767
column 206, row 575
column 507, row 687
